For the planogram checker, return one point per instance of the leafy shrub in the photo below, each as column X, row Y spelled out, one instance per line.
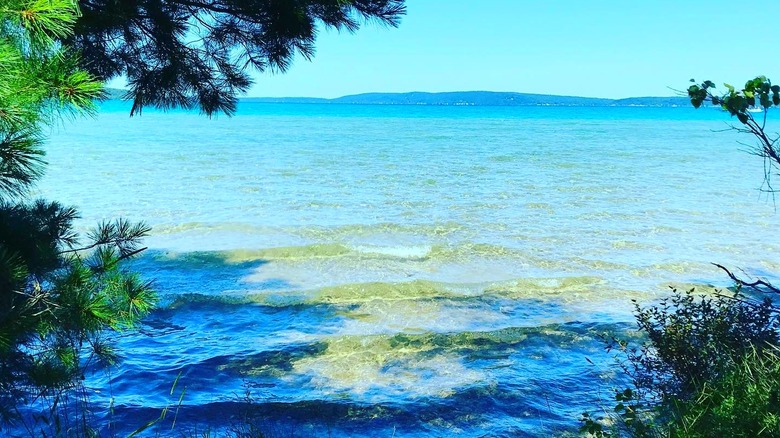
column 693, row 339
column 704, row 361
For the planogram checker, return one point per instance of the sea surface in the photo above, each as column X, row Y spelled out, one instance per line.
column 415, row 271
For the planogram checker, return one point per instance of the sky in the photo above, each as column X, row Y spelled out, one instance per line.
column 593, row 48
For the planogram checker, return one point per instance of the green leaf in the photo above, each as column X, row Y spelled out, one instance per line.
column 754, row 84
column 765, row 102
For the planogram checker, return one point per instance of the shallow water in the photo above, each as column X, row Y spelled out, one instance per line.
column 417, row 271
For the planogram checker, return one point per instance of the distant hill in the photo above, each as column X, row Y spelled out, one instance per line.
column 462, row 98
column 653, row 101
column 478, row 98
column 114, row 93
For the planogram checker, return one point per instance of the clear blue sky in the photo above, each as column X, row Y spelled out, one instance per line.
column 599, row 48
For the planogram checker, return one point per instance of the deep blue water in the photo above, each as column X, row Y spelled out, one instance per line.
column 403, row 270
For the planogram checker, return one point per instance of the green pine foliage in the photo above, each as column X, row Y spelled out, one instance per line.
column 61, row 294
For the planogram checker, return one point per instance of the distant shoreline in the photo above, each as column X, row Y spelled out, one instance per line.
column 467, row 98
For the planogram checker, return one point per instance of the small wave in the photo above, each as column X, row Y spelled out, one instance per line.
column 444, row 253
column 293, row 252
column 530, row 287
column 185, row 227
column 470, row 250
column 680, row 267
column 442, row 229
column 503, row 158
column 610, row 216
column 401, row 252
column 541, row 206
column 601, row 265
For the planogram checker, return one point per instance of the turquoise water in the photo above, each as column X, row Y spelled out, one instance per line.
column 404, row 270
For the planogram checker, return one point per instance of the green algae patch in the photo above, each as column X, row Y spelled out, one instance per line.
column 428, row 364
column 348, row 231
column 770, row 264
column 238, row 256
column 383, row 349
column 182, row 300
column 275, row 299
column 540, row 206
column 539, row 287
column 362, row 292
column 271, row 363
column 598, row 264
column 394, row 315
column 390, row 364
column 360, row 315
column 288, row 252
column 634, row 245
column 355, row 294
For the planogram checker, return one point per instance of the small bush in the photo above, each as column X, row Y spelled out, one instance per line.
column 708, row 363
column 692, row 340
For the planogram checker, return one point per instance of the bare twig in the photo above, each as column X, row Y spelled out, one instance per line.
column 754, row 284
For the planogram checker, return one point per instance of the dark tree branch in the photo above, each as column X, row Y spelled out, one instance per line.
column 195, row 53
column 754, row 284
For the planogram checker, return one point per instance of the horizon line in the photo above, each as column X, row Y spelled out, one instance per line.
column 440, row 92
column 460, row 91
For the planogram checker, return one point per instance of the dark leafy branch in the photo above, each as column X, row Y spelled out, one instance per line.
column 195, row 53
column 758, row 94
